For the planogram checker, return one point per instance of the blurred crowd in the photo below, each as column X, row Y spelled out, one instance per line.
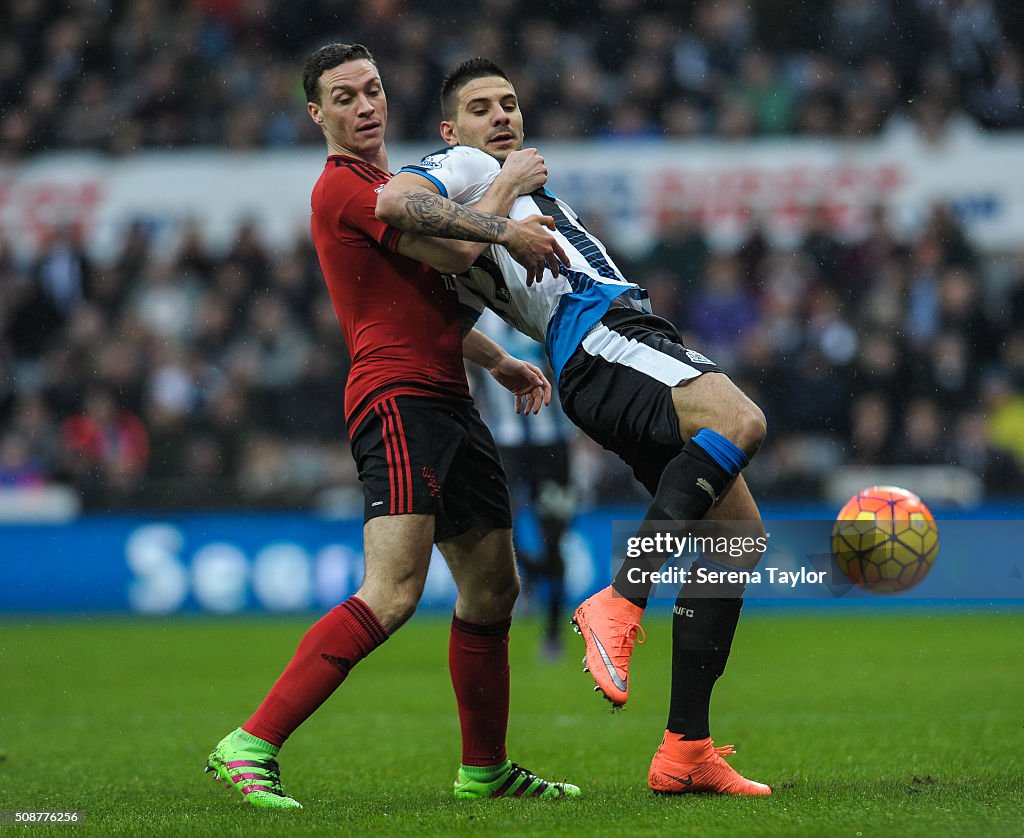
column 195, row 379
column 208, row 378
column 123, row 75
column 181, row 380
column 874, row 352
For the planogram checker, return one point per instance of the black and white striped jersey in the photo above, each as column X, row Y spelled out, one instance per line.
column 557, row 311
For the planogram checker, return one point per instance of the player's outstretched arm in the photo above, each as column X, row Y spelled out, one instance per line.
column 526, row 382
column 410, row 203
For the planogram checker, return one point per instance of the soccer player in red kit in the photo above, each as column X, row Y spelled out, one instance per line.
column 429, row 467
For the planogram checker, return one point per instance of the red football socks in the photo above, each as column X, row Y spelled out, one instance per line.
column 478, row 660
column 326, row 654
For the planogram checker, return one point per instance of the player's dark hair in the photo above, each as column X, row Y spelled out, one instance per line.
column 325, row 58
column 475, row 68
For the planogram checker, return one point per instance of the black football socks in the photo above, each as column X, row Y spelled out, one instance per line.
column 703, row 624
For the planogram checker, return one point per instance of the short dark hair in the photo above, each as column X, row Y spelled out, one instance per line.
column 474, row 68
column 325, row 58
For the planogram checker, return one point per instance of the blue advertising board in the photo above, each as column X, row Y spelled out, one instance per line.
column 290, row 562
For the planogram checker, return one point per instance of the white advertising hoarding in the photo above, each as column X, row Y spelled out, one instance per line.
column 626, row 189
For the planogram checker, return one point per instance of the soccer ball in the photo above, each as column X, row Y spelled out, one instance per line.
column 885, row 539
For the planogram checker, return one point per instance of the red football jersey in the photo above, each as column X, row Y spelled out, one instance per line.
column 400, row 319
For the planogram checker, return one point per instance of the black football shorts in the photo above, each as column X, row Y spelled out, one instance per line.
column 422, row 455
column 617, row 388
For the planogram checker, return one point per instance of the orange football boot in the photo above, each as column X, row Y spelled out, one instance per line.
column 682, row 766
column 609, row 624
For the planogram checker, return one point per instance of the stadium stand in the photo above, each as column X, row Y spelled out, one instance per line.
column 208, row 378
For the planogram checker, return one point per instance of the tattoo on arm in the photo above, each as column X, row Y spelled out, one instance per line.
column 433, row 215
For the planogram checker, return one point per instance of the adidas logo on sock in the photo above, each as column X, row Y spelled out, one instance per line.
column 342, row 663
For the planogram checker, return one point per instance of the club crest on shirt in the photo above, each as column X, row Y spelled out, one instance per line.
column 431, row 477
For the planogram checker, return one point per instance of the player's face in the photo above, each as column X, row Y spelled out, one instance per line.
column 353, row 109
column 487, row 118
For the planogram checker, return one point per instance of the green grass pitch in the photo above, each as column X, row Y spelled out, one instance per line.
column 864, row 724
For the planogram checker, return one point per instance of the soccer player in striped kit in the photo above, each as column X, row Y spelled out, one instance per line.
column 626, row 380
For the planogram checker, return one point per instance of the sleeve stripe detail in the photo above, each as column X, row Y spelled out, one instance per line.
column 416, row 170
column 389, row 241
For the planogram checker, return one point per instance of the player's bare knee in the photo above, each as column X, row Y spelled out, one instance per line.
column 716, row 403
column 490, row 602
column 402, row 606
column 392, row 601
column 500, row 598
column 505, row 595
column 751, row 427
column 736, row 417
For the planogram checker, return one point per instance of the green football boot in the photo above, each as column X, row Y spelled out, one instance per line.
column 248, row 765
column 511, row 781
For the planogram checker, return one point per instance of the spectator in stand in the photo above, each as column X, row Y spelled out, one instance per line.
column 1000, row 102
column 721, row 309
column 871, row 431
column 673, row 268
column 1011, row 356
column 1004, row 411
column 18, row 470
column 760, row 87
column 971, row 448
column 680, row 251
column 62, row 269
column 105, row 448
column 960, row 309
column 923, row 435
column 820, row 245
column 948, row 372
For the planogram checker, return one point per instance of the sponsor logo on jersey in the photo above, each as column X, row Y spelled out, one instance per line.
column 432, row 162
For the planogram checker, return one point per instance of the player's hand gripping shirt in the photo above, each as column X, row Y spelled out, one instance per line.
column 400, row 318
column 557, row 311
